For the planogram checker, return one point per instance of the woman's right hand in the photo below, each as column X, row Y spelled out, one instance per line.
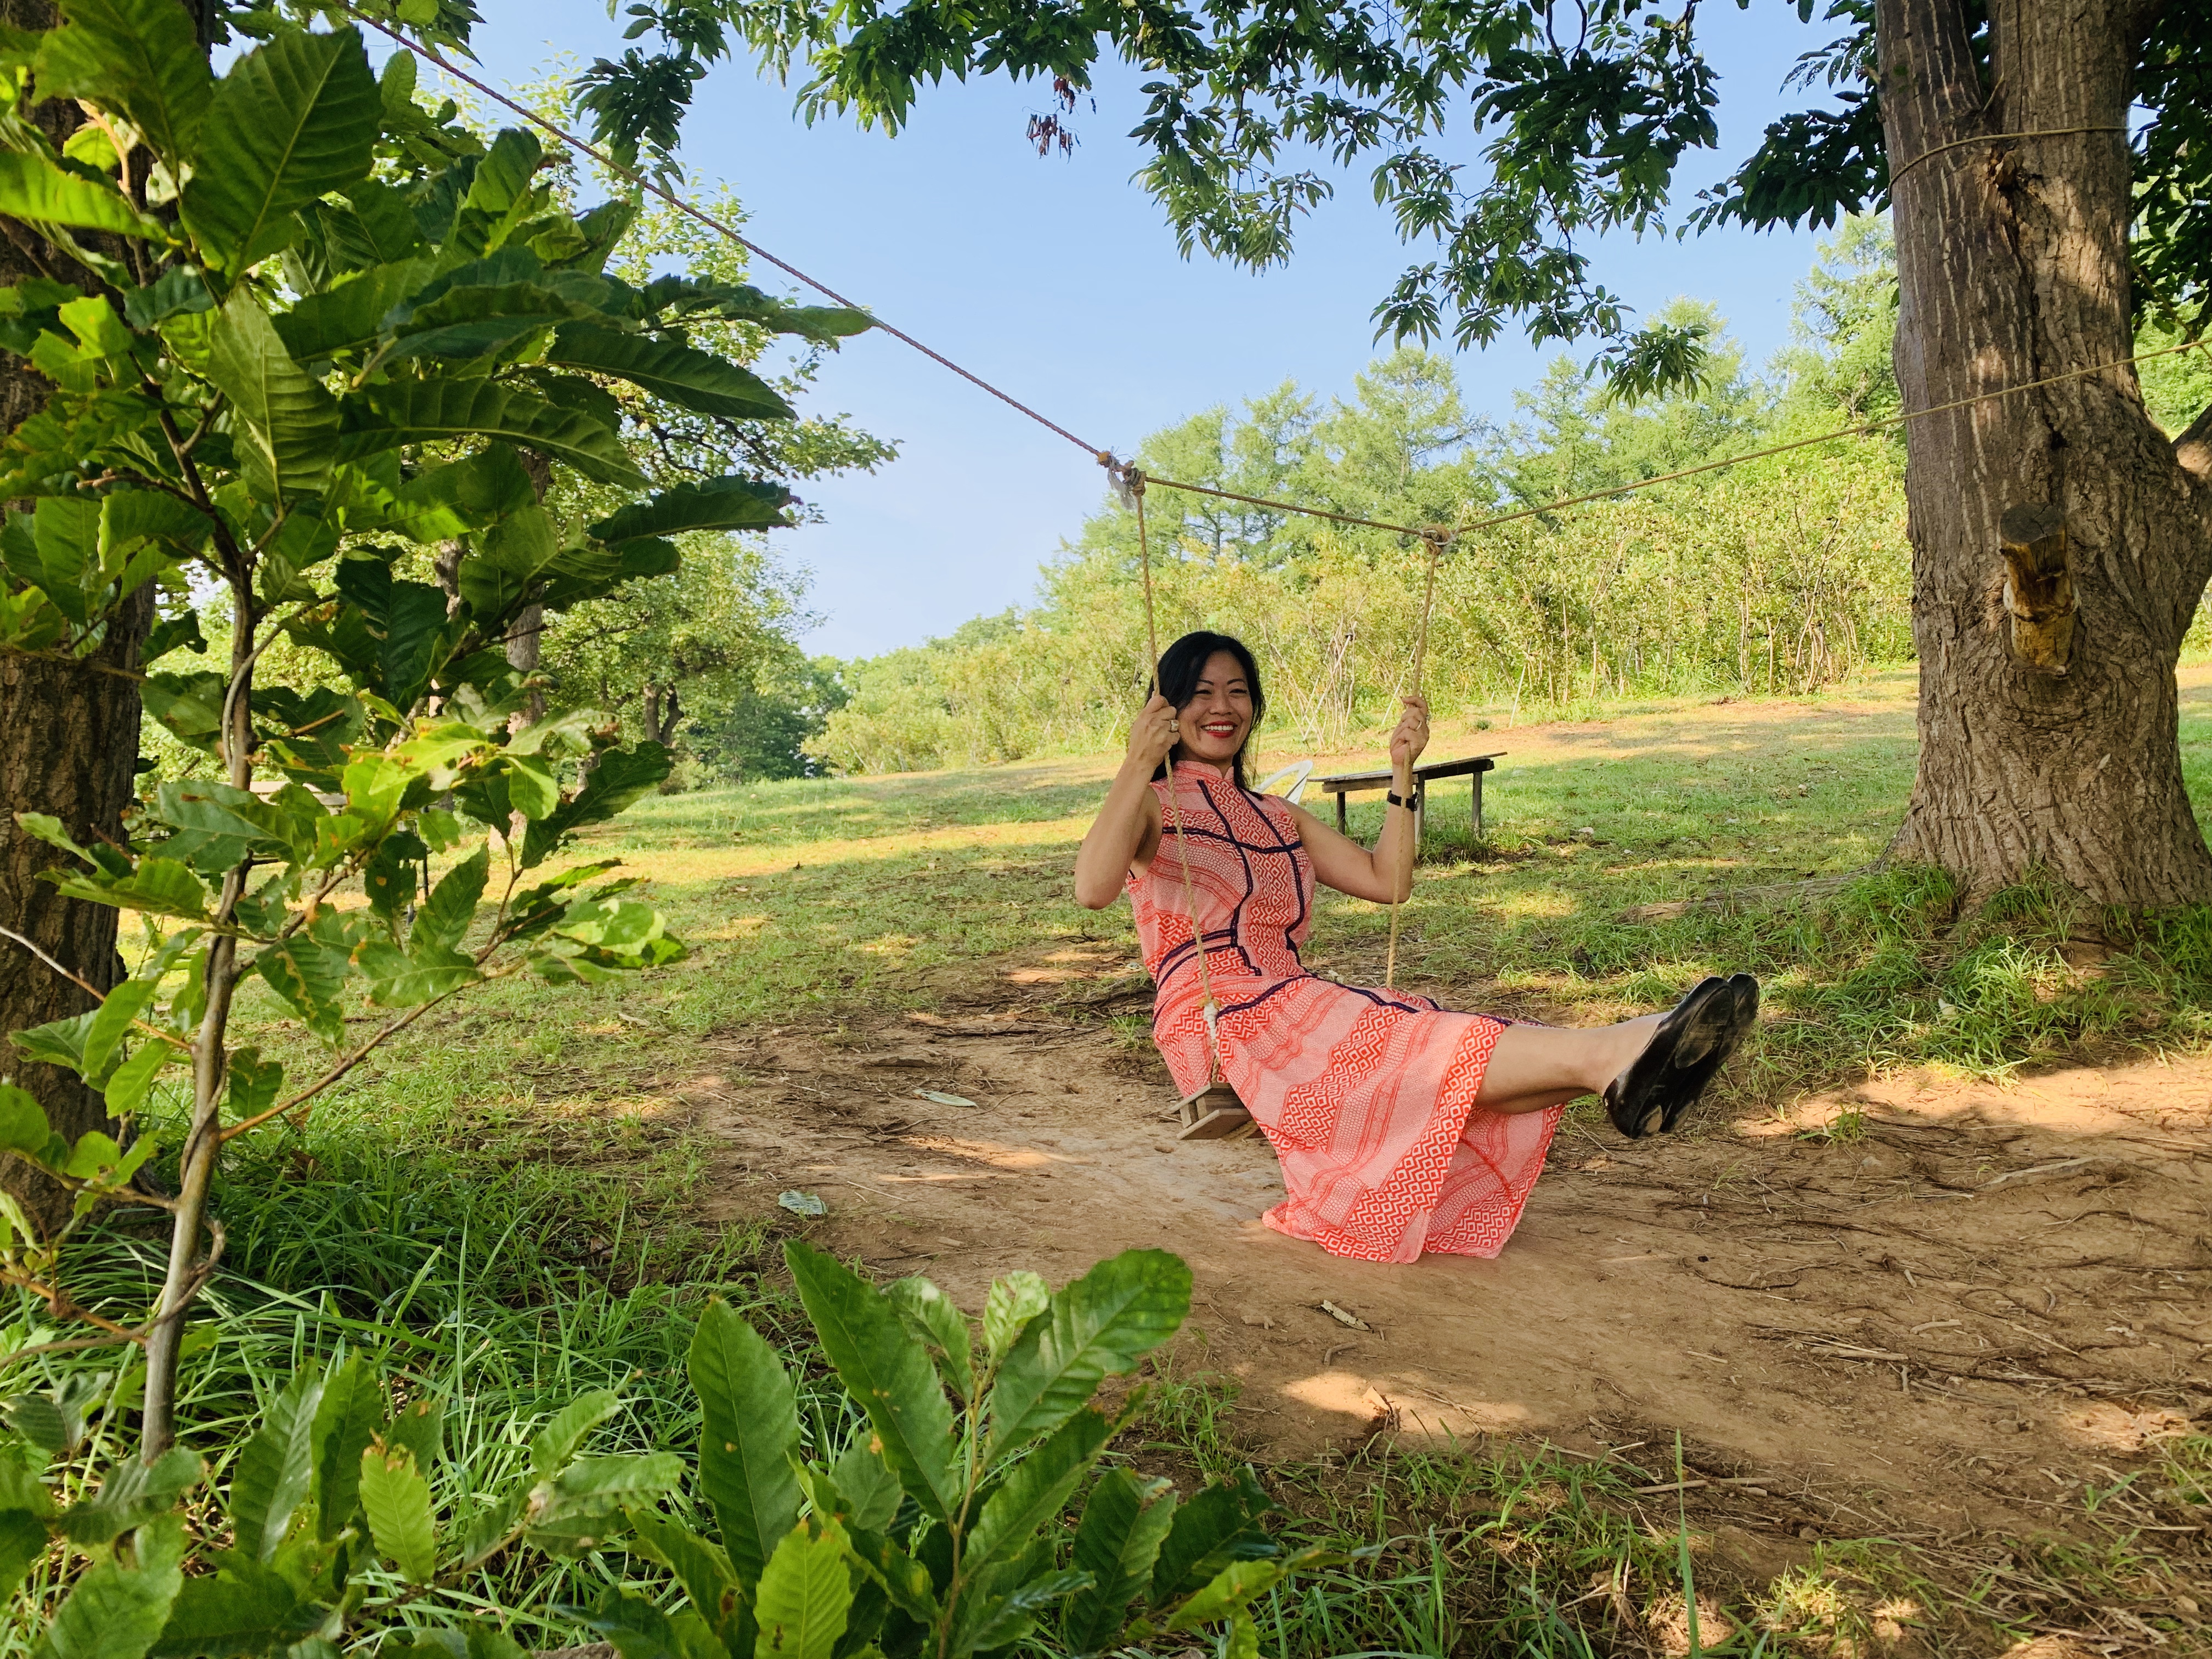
column 1153, row 734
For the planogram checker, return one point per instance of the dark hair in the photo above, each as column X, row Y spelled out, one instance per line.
column 1181, row 665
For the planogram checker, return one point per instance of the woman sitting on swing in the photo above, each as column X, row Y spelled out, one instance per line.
column 1400, row 1127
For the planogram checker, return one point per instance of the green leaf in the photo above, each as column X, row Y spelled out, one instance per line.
column 129, row 1082
column 24, row 1128
column 111, row 1022
column 553, row 1447
column 243, row 1607
column 310, row 975
column 680, row 374
column 866, row 1483
column 455, row 411
column 274, row 1468
column 32, row 188
column 401, row 980
column 805, row 1597
column 62, row 554
column 590, row 1480
column 1102, row 1325
column 622, row 776
column 375, row 225
column 419, row 1425
column 747, row 1439
column 397, row 1499
column 1006, row 1621
column 217, row 824
column 117, row 1609
column 158, row 886
column 717, row 504
column 483, row 490
column 345, row 1422
column 294, row 118
column 251, row 1085
column 1217, row 1526
column 409, row 620
column 189, row 705
column 702, row 1569
column 58, row 1041
column 1124, row 1521
column 1011, row 1304
column 443, row 922
column 1034, row 1491
column 132, row 1495
column 532, row 788
column 178, row 289
column 636, row 1629
column 41, row 1422
column 1229, row 1591
column 940, row 1326
column 291, row 422
column 139, row 58
column 22, row 1540
column 885, row 1371
column 349, row 314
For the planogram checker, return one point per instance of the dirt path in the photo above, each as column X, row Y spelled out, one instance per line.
column 1934, row 1320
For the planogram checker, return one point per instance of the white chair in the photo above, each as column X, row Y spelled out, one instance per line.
column 1298, row 771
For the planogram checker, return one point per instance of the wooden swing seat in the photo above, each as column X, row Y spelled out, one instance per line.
column 1214, row 1115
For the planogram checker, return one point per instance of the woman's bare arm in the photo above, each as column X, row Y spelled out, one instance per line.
column 1127, row 832
column 1383, row 873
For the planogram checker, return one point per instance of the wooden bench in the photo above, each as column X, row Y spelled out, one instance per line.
column 1350, row 783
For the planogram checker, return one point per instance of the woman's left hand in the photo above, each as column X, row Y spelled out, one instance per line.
column 1411, row 736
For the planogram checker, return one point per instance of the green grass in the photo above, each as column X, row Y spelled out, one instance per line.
column 498, row 1207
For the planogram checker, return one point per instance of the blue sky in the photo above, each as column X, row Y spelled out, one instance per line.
column 1059, row 280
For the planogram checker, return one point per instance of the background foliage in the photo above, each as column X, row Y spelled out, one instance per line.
column 1781, row 576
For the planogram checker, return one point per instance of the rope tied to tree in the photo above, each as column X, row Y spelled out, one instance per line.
column 1995, row 138
column 1436, row 539
column 1129, row 485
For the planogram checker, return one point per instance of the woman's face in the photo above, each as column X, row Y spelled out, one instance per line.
column 1214, row 723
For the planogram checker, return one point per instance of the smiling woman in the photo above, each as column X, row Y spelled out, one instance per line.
column 1402, row 1127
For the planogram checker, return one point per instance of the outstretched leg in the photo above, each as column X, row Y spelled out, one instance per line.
column 1649, row 1070
column 1536, row 1066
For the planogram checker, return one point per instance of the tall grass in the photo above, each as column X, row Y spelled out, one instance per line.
column 471, row 1268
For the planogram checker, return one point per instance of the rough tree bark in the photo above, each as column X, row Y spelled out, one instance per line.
column 68, row 746
column 2012, row 266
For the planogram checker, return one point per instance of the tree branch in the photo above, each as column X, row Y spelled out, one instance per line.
column 2193, row 448
column 351, row 1060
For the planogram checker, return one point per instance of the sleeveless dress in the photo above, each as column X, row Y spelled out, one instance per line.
column 1366, row 1096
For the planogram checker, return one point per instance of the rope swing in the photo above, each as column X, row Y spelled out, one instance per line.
column 1403, row 876
column 1130, row 482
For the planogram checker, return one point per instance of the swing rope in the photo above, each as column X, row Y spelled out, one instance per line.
column 1132, row 480
column 1404, row 873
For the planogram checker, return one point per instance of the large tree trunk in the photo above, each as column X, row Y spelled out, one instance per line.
column 2048, row 713
column 68, row 746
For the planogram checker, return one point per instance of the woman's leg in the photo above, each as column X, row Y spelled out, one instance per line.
column 1536, row 1066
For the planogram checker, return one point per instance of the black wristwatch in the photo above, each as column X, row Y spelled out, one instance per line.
column 1396, row 799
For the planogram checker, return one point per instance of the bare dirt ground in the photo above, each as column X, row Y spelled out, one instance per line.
column 1934, row 1321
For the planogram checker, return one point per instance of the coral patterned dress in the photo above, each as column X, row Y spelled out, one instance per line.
column 1366, row 1096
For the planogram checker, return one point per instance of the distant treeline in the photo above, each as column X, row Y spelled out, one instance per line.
column 1778, row 575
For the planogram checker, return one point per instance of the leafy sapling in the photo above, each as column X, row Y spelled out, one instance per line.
column 358, row 387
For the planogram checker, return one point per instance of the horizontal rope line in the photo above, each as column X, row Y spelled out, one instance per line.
column 1860, row 430
column 1105, row 457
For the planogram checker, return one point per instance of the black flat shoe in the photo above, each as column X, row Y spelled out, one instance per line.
column 1685, row 1053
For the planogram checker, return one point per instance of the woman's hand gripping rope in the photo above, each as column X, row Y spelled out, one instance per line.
column 1154, row 733
column 1409, row 741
